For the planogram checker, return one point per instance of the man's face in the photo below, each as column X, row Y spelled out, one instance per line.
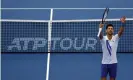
column 110, row 30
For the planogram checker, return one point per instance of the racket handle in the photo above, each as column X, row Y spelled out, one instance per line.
column 100, row 29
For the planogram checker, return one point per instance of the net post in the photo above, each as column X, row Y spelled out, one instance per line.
column 49, row 42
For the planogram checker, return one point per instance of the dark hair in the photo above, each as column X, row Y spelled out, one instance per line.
column 109, row 25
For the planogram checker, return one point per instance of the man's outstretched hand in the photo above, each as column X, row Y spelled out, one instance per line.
column 123, row 19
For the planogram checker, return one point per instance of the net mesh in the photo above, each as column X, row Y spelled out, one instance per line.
column 67, row 36
column 24, row 36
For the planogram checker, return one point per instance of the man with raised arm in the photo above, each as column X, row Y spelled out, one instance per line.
column 109, row 44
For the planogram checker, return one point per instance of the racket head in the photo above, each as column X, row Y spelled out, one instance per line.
column 105, row 14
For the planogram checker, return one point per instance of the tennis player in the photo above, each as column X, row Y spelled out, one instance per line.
column 109, row 47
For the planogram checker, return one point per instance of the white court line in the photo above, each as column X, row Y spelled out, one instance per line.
column 0, row 42
column 78, row 20
column 49, row 43
column 22, row 20
column 65, row 8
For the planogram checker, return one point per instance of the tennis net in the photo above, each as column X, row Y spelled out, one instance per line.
column 66, row 36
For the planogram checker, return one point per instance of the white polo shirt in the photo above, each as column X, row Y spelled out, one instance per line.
column 109, row 48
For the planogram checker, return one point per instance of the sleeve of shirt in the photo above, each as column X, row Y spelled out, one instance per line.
column 117, row 37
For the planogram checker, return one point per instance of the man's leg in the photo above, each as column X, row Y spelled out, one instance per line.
column 112, row 78
column 104, row 71
column 113, row 71
column 103, row 78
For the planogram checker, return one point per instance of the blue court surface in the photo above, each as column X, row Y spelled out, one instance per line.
column 63, row 66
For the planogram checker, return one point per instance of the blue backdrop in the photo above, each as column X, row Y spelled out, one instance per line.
column 65, row 14
column 67, row 3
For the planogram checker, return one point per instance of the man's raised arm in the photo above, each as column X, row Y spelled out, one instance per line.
column 100, row 35
column 121, row 30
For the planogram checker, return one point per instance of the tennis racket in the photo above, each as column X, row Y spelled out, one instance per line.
column 105, row 14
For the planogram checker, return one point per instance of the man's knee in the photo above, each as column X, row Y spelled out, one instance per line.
column 112, row 78
column 103, row 78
